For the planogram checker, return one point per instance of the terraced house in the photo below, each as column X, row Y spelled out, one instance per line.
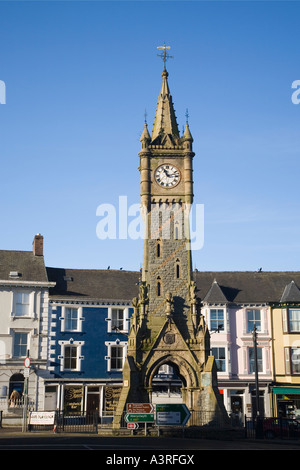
column 74, row 324
column 233, row 303
column 285, row 325
column 90, row 314
column 24, row 327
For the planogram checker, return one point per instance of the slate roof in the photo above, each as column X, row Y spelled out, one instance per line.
column 94, row 284
column 245, row 286
column 212, row 286
column 215, row 294
column 291, row 293
column 30, row 267
column 118, row 285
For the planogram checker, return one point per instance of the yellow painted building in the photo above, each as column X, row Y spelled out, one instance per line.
column 285, row 319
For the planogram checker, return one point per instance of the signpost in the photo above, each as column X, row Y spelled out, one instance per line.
column 169, row 414
column 140, row 408
column 139, row 413
column 27, row 362
column 132, row 425
column 173, row 414
column 139, row 418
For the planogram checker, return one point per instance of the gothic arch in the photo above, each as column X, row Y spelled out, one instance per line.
column 182, row 367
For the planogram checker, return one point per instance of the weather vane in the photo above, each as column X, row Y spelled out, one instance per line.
column 165, row 56
column 187, row 116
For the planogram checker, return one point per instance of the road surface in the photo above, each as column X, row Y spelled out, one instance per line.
column 133, row 445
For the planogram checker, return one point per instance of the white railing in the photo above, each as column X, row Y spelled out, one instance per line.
column 7, row 404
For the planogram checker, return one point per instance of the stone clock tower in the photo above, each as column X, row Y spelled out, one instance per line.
column 167, row 326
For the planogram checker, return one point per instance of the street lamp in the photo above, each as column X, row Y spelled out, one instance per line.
column 258, row 424
column 254, row 334
column 25, row 391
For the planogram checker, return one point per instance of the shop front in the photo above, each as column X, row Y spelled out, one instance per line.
column 74, row 399
column 287, row 402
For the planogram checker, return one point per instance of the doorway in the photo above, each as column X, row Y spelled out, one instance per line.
column 50, row 398
column 92, row 403
column 237, row 406
column 16, row 387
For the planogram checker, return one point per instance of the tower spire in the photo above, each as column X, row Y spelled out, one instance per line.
column 165, row 128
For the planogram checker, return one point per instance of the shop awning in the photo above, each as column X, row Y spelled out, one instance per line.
column 286, row 391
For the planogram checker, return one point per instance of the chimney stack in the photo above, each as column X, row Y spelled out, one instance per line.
column 38, row 245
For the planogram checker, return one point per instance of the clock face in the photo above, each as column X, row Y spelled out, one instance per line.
column 167, row 175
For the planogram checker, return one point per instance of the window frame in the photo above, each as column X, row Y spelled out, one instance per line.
column 21, row 304
column 217, row 320
column 70, row 318
column 15, row 313
column 117, row 319
column 258, row 324
column 126, row 319
column 224, row 360
column 64, row 320
column 21, row 344
column 260, row 360
column 71, row 356
column 287, row 322
column 289, row 363
column 64, row 345
column 116, row 357
column 110, row 345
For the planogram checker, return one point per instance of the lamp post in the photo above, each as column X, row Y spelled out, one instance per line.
column 256, row 371
column 25, row 391
column 258, row 421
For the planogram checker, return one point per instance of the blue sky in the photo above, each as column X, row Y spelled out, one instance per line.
column 79, row 76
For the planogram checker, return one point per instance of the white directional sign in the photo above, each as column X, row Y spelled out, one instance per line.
column 168, row 417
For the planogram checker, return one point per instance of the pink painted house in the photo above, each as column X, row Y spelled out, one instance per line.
column 233, row 303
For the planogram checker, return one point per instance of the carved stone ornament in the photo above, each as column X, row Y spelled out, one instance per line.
column 143, row 294
column 169, row 338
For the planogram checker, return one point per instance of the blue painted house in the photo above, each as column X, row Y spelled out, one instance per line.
column 90, row 314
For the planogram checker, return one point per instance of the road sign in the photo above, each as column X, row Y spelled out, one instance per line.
column 27, row 362
column 132, row 425
column 172, row 414
column 139, row 418
column 140, row 408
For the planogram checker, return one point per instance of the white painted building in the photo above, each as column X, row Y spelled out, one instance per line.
column 24, row 327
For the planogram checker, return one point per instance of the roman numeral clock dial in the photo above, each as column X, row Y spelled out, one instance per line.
column 167, row 176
